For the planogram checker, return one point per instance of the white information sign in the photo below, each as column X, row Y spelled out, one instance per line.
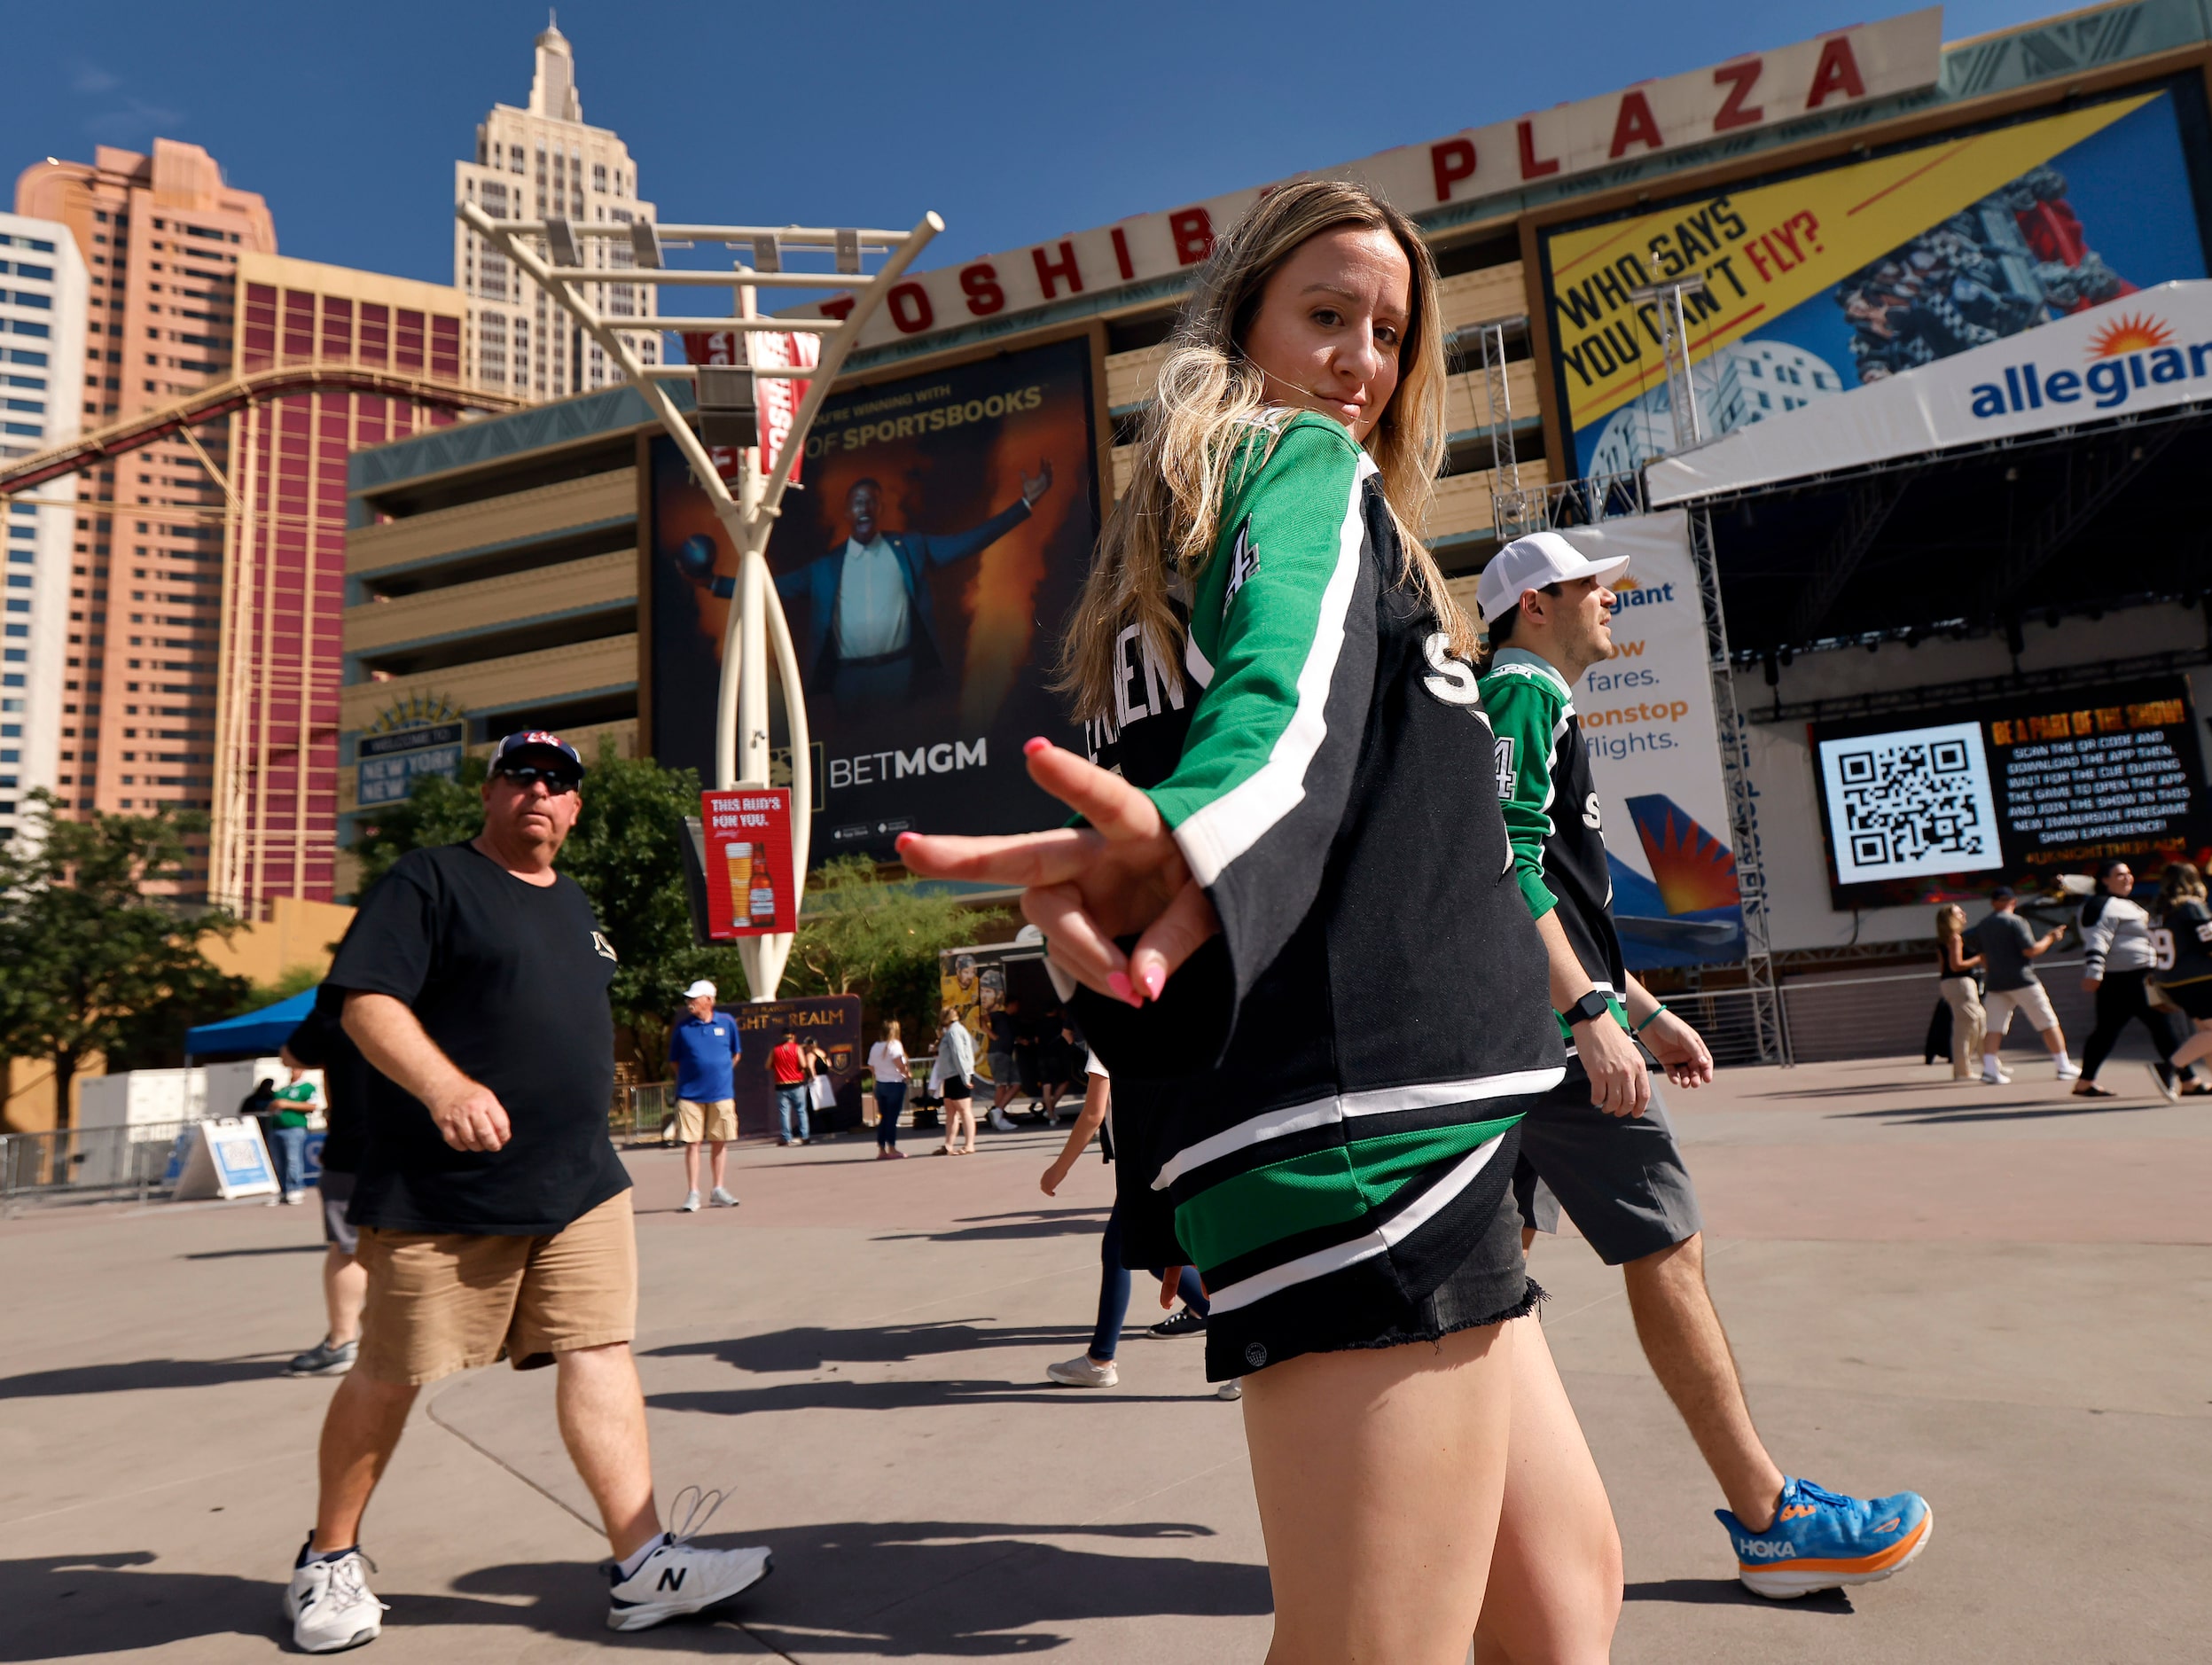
column 226, row 1159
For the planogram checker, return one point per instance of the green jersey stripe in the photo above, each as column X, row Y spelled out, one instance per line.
column 1334, row 1186
column 1337, row 1256
column 1317, row 1113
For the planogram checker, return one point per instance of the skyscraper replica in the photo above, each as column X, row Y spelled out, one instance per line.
column 538, row 163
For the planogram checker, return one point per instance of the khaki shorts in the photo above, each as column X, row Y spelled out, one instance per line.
column 717, row 1121
column 1999, row 1006
column 438, row 1302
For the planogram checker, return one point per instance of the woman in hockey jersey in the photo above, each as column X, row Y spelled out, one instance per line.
column 1304, row 954
column 2183, row 942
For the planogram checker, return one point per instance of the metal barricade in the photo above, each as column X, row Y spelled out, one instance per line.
column 638, row 1114
column 87, row 1164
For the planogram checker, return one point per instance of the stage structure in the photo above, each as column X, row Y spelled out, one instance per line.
column 729, row 412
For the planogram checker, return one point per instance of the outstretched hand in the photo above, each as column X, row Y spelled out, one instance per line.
column 1083, row 887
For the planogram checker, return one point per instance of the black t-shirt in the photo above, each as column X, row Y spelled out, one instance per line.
column 510, row 979
column 321, row 1042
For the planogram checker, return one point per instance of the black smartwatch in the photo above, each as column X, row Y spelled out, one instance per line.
column 1589, row 1009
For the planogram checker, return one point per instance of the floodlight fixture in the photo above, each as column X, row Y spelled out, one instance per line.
column 727, row 401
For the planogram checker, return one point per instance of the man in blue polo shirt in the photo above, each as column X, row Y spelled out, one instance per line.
column 702, row 1047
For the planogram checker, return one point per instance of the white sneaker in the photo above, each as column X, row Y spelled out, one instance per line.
column 690, row 1202
column 1231, row 1389
column 722, row 1198
column 678, row 1576
column 1083, row 1372
column 2069, row 1071
column 1995, row 1078
column 1000, row 1124
column 330, row 1605
column 2167, row 1083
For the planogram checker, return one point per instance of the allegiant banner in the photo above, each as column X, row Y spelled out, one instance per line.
column 1842, row 278
column 945, row 526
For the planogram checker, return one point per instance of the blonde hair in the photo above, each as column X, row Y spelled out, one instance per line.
column 891, row 1030
column 1210, row 397
column 2180, row 882
column 1951, row 920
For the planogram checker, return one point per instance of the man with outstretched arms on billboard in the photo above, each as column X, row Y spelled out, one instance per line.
column 1599, row 1143
column 872, row 624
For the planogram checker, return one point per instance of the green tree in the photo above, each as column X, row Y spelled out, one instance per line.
column 293, row 980
column 436, row 811
column 879, row 938
column 96, row 964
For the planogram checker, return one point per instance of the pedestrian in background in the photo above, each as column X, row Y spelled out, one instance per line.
column 887, row 1062
column 1961, row 991
column 705, row 1046
column 1096, row 1365
column 289, row 1106
column 2007, row 945
column 494, row 1216
column 952, row 1079
column 1006, row 1029
column 321, row 1042
column 787, row 1065
column 2185, row 964
column 2117, row 958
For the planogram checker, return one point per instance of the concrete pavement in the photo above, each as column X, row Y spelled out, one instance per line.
column 1997, row 1295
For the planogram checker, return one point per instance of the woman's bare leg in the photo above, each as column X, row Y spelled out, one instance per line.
column 1554, row 1594
column 2197, row 1046
column 1379, row 1473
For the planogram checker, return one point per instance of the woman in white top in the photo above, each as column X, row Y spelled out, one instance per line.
column 951, row 1079
column 887, row 1062
column 2117, row 956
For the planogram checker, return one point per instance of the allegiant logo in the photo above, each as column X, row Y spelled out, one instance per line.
column 1628, row 593
column 2127, row 354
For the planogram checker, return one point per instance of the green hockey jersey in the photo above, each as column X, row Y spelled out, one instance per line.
column 1311, row 1111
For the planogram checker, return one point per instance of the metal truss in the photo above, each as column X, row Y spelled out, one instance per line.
column 2090, row 477
column 551, row 252
column 1872, row 504
column 1769, row 1020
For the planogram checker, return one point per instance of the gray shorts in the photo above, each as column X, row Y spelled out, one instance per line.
column 1620, row 1179
column 338, row 1195
column 1002, row 1068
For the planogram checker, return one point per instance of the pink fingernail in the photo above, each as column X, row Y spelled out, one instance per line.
column 1031, row 747
column 1154, row 979
column 1118, row 982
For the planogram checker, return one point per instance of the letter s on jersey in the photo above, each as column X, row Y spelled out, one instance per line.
column 1452, row 680
column 1591, row 818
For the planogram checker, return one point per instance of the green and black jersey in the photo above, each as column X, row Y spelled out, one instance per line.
column 1311, row 1114
column 1551, row 812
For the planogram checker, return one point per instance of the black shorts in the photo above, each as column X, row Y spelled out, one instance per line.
column 1343, row 1312
column 2195, row 998
column 338, row 1195
column 955, row 1090
column 1620, row 1178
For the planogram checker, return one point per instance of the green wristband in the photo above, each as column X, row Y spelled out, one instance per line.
column 1655, row 1011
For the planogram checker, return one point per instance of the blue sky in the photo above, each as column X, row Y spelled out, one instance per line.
column 1013, row 120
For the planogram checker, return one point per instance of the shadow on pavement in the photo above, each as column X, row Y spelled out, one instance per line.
column 1001, row 1228
column 247, row 1254
column 971, row 1590
column 812, row 1347
column 70, row 1607
column 137, row 1373
column 2004, row 1110
column 1729, row 1592
column 896, row 1395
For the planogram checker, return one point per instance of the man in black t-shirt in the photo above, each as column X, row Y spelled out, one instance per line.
column 493, row 1215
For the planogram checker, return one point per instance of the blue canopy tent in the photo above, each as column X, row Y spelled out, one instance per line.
column 250, row 1034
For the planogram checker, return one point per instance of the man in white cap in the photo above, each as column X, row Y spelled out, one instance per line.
column 703, row 1047
column 1599, row 1145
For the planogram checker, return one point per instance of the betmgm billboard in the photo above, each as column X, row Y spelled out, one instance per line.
column 926, row 565
column 1834, row 277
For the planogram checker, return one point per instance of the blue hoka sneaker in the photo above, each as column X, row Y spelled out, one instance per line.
column 1822, row 1540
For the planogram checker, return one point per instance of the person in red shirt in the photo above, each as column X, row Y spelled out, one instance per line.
column 787, row 1065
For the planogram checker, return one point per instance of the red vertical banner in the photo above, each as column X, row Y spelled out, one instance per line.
column 778, row 395
column 749, row 887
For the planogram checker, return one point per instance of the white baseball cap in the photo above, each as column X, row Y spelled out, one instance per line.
column 1532, row 562
column 702, row 986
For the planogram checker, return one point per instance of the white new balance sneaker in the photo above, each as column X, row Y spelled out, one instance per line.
column 721, row 1199
column 1084, row 1372
column 330, row 1605
column 678, row 1577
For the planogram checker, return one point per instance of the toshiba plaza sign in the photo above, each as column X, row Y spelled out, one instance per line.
column 1849, row 66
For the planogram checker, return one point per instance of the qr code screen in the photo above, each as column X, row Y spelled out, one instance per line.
column 1911, row 802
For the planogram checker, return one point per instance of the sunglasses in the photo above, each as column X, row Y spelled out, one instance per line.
column 556, row 780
